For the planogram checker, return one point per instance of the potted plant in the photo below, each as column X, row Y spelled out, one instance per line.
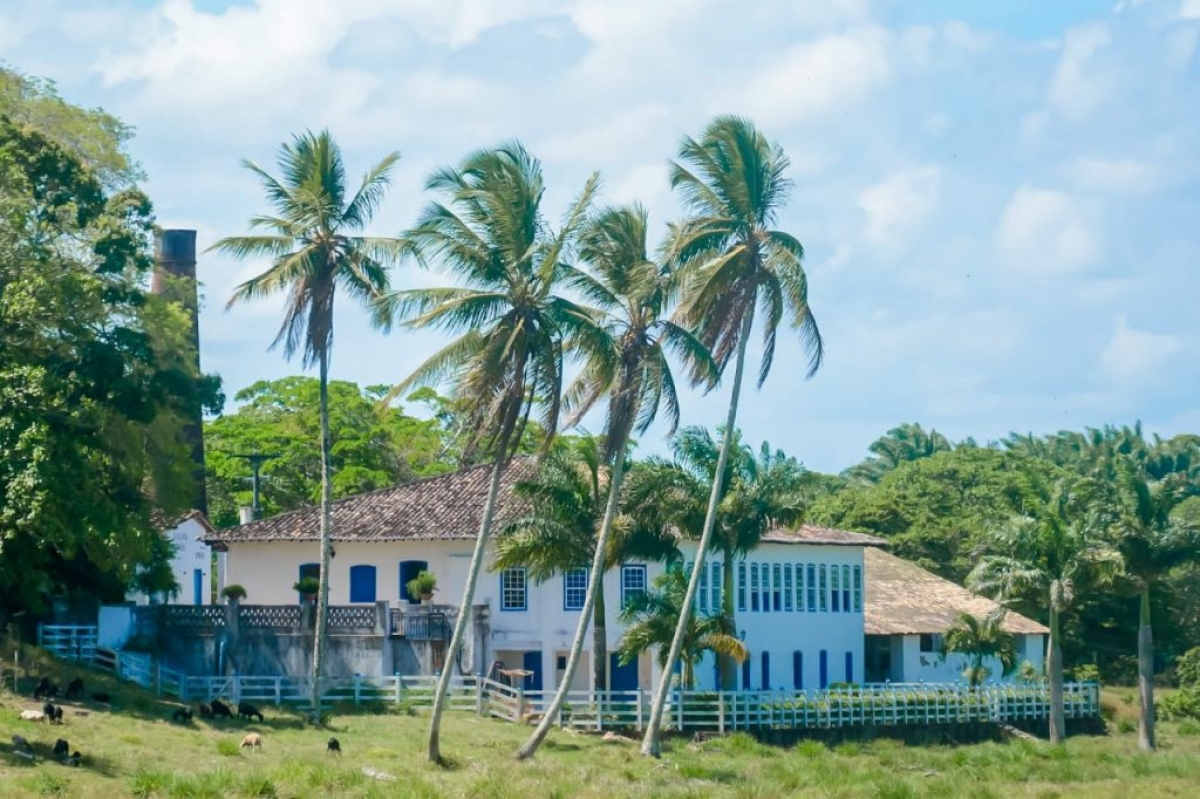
column 308, row 587
column 422, row 586
column 233, row 593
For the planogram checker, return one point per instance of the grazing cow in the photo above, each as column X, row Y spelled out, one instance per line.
column 253, row 740
column 58, row 713
column 61, row 748
column 333, row 747
column 21, row 745
column 249, row 711
column 48, row 710
column 182, row 715
column 206, row 710
column 221, row 710
column 102, row 697
column 32, row 715
column 45, row 689
column 75, row 689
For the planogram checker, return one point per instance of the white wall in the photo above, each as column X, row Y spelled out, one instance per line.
column 910, row 664
column 190, row 554
column 268, row 571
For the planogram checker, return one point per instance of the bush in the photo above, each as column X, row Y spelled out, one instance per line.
column 1187, row 668
column 1184, row 704
column 424, row 584
column 1086, row 672
column 233, row 591
column 308, row 586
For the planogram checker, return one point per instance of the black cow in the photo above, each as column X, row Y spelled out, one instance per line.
column 182, row 715
column 75, row 689
column 53, row 713
column 221, row 710
column 249, row 711
column 61, row 748
column 74, row 760
column 206, row 710
column 333, row 747
column 45, row 689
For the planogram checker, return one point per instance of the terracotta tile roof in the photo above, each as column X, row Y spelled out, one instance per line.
column 447, row 507
column 904, row 599
column 814, row 534
column 163, row 524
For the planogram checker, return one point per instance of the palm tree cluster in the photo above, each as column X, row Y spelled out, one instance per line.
column 532, row 299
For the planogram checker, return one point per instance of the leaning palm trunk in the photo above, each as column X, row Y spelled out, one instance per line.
column 1058, row 721
column 589, row 603
column 651, row 744
column 326, row 540
column 600, row 640
column 1146, row 675
column 464, row 607
column 727, row 663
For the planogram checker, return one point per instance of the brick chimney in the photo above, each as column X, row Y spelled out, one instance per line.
column 175, row 278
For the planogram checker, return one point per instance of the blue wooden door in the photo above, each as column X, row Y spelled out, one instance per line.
column 824, row 665
column 746, row 673
column 533, row 662
column 622, row 677
column 408, row 570
column 362, row 583
column 766, row 671
column 198, row 585
column 849, row 667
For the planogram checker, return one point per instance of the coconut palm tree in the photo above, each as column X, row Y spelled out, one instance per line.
column 980, row 639
column 514, row 327
column 1152, row 542
column 732, row 182
column 651, row 619
column 312, row 237
column 1046, row 556
column 908, row 442
column 631, row 372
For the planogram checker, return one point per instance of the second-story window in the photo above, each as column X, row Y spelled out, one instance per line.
column 575, row 582
column 633, row 582
column 718, row 584
column 787, row 587
column 811, row 577
column 777, row 588
column 846, row 591
column 702, row 593
column 837, row 589
column 857, row 589
column 513, row 590
column 741, row 588
column 754, row 596
column 823, row 591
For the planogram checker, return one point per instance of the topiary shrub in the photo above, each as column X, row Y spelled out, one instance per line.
column 233, row 591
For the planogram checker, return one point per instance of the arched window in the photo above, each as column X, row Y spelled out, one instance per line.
column 362, row 583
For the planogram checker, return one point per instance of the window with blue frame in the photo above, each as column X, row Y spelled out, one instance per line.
column 766, row 587
column 514, row 593
column 823, row 668
column 575, row 582
column 702, row 591
column 718, row 585
column 777, row 587
column 754, row 595
column 849, row 667
column 633, row 582
column 766, row 671
column 812, row 588
column 800, row 587
column 798, row 670
column 741, row 602
column 837, row 590
column 858, row 589
column 787, row 587
column 362, row 583
column 845, row 589
column 823, row 590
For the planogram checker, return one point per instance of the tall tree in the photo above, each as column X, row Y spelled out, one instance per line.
column 980, row 639
column 630, row 369
column 1152, row 542
column 908, row 442
column 1048, row 555
column 514, row 326
column 312, row 239
column 651, row 619
column 732, row 182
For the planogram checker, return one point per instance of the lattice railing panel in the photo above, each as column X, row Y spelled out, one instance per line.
column 254, row 617
column 351, row 617
column 194, row 617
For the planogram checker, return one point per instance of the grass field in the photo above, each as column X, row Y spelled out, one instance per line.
column 133, row 750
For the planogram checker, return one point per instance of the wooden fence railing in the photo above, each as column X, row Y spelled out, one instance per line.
column 68, row 641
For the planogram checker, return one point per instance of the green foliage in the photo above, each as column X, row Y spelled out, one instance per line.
column 424, row 584
column 233, row 591
column 372, row 447
column 1187, row 668
column 96, row 379
column 980, row 639
column 1183, row 704
column 307, row 586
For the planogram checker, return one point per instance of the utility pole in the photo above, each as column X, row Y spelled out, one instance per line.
column 256, row 461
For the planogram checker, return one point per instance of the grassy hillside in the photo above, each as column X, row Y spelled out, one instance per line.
column 133, row 749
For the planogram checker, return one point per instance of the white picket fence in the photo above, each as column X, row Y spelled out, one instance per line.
column 75, row 642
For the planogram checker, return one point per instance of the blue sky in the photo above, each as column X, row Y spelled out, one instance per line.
column 1000, row 201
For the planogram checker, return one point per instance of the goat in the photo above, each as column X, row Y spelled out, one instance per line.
column 45, row 689
column 182, row 715
column 333, row 747
column 102, row 697
column 61, row 748
column 249, row 711
column 206, row 710
column 75, row 689
column 32, row 715
column 221, row 710
column 253, row 740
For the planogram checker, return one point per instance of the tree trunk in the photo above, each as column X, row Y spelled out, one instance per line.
column 600, row 640
column 322, row 622
column 1058, row 720
column 464, row 606
column 727, row 663
column 1146, row 675
column 592, row 601
column 651, row 743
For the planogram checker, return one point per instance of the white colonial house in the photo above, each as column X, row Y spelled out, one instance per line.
column 191, row 562
column 802, row 595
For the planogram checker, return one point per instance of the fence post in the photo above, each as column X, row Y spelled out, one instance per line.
column 679, row 714
column 640, row 697
column 520, row 719
column 158, row 680
column 399, row 688
column 721, row 712
column 357, row 690
column 478, row 695
column 600, row 710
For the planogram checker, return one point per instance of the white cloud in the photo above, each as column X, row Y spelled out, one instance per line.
column 1189, row 9
column 1132, row 356
column 1117, row 175
column 1041, row 230
column 1077, row 88
column 815, row 77
column 898, row 205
